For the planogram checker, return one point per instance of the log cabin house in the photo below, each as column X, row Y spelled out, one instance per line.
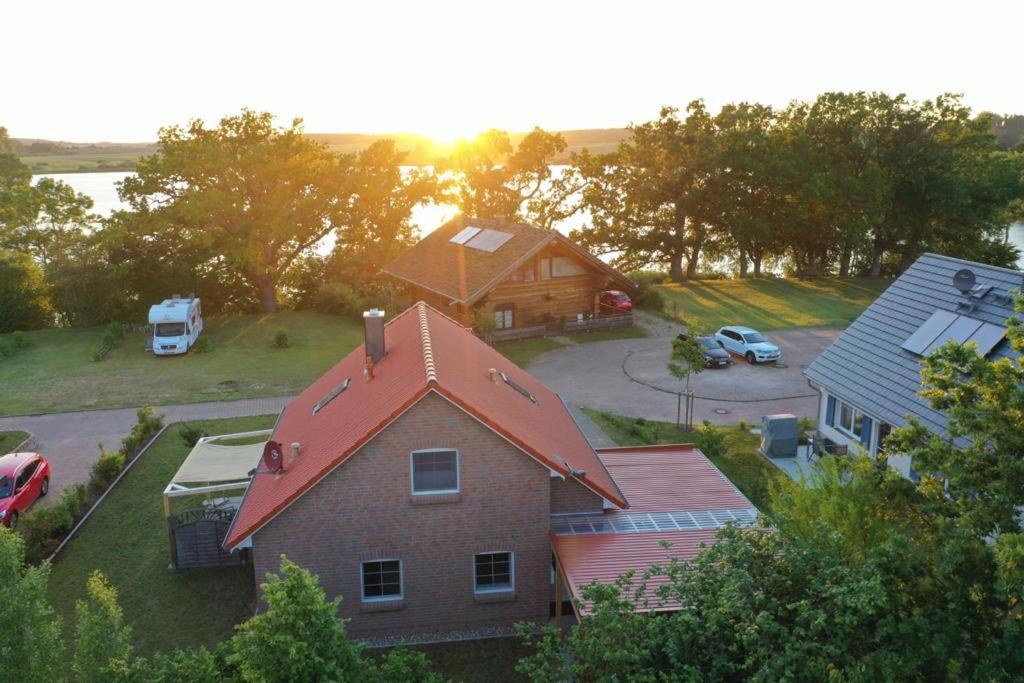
column 520, row 276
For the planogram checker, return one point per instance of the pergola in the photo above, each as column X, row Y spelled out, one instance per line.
column 212, row 467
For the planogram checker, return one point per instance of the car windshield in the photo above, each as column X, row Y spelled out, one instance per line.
column 620, row 297
column 170, row 329
column 6, row 487
column 708, row 343
column 754, row 338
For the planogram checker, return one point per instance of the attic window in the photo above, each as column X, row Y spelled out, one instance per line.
column 464, row 235
column 488, row 240
column 518, row 387
column 944, row 326
column 322, row 403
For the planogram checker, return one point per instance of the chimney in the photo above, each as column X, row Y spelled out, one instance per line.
column 373, row 331
column 294, row 456
column 493, row 374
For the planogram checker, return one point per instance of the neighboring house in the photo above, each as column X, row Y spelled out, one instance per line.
column 869, row 378
column 435, row 485
column 518, row 274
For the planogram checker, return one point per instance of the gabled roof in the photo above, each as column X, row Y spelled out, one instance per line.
column 426, row 352
column 464, row 274
column 866, row 364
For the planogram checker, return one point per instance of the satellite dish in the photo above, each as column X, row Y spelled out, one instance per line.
column 964, row 280
column 273, row 457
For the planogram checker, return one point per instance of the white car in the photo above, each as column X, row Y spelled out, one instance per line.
column 748, row 343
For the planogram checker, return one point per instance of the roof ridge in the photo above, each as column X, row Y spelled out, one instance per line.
column 428, row 350
column 977, row 264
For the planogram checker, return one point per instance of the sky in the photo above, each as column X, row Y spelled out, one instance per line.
column 117, row 71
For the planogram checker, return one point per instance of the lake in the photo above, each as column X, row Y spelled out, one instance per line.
column 102, row 188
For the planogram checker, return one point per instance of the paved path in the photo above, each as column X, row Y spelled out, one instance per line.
column 71, row 440
column 615, row 375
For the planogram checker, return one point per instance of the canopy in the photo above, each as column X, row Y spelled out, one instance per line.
column 210, row 462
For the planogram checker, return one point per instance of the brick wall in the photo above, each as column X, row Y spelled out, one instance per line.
column 364, row 510
column 568, row 495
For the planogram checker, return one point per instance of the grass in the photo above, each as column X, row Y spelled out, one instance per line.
column 126, row 539
column 771, row 303
column 752, row 473
column 523, row 351
column 55, row 371
column 86, row 159
column 11, row 440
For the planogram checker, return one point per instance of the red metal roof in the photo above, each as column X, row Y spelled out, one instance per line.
column 665, row 478
column 674, row 477
column 426, row 351
column 606, row 557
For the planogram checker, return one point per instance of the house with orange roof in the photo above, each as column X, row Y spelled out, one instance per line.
column 440, row 489
column 515, row 274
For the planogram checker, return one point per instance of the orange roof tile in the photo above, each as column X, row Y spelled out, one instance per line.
column 426, row 351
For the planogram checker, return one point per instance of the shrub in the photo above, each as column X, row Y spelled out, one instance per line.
column 202, row 345
column 6, row 349
column 281, row 340
column 341, row 299
column 147, row 425
column 114, row 330
column 742, row 425
column 709, row 440
column 99, row 354
column 19, row 340
column 648, row 297
column 105, row 469
column 190, row 435
column 44, row 526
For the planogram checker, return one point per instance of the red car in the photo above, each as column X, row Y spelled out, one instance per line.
column 613, row 301
column 24, row 477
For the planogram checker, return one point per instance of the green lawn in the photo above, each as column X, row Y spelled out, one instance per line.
column 751, row 472
column 523, row 351
column 11, row 440
column 55, row 372
column 771, row 303
column 126, row 539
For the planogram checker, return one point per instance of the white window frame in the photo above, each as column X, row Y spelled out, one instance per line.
column 854, row 412
column 511, row 573
column 382, row 598
column 412, row 472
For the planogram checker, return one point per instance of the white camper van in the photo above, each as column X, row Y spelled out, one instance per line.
column 177, row 324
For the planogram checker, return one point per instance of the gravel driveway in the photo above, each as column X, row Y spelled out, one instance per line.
column 614, row 376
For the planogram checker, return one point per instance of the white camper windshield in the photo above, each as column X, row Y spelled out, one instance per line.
column 170, row 329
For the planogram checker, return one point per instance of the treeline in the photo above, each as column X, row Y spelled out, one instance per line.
column 252, row 216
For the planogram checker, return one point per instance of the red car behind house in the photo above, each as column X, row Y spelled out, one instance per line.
column 614, row 302
column 24, row 477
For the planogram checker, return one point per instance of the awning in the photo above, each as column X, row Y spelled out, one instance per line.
column 209, row 462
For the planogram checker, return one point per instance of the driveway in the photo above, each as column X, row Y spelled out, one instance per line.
column 630, row 377
column 71, row 440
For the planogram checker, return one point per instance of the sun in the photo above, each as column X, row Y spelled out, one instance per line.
column 445, row 130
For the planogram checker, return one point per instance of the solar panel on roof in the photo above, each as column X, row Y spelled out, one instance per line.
column 464, row 235
column 959, row 330
column 488, row 240
column 929, row 330
column 986, row 337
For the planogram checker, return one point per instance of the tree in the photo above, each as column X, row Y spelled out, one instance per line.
column 103, row 642
column 490, row 178
column 246, row 199
column 31, row 645
column 23, row 297
column 299, row 637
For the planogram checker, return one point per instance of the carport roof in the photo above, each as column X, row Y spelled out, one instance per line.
column 867, row 365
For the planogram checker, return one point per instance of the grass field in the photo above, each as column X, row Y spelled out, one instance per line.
column 10, row 440
column 771, row 303
column 126, row 539
column 745, row 467
column 86, row 159
column 55, row 372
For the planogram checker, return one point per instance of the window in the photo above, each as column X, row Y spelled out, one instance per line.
column 493, row 572
column 170, row 329
column 523, row 273
column 851, row 420
column 884, row 429
column 545, row 268
column 503, row 316
column 435, row 471
column 26, row 474
column 754, row 338
column 563, row 266
column 382, row 580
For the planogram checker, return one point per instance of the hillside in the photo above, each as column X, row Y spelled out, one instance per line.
column 50, row 156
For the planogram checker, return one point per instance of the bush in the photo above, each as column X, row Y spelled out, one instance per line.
column 18, row 340
column 742, row 425
column 190, row 435
column 281, row 340
column 202, row 345
column 147, row 425
column 44, row 526
column 648, row 297
column 105, row 470
column 340, row 299
column 6, row 349
column 100, row 353
column 114, row 330
column 709, row 440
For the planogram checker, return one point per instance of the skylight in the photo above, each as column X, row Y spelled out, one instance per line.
column 944, row 326
column 488, row 240
column 518, row 387
column 464, row 235
column 330, row 397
